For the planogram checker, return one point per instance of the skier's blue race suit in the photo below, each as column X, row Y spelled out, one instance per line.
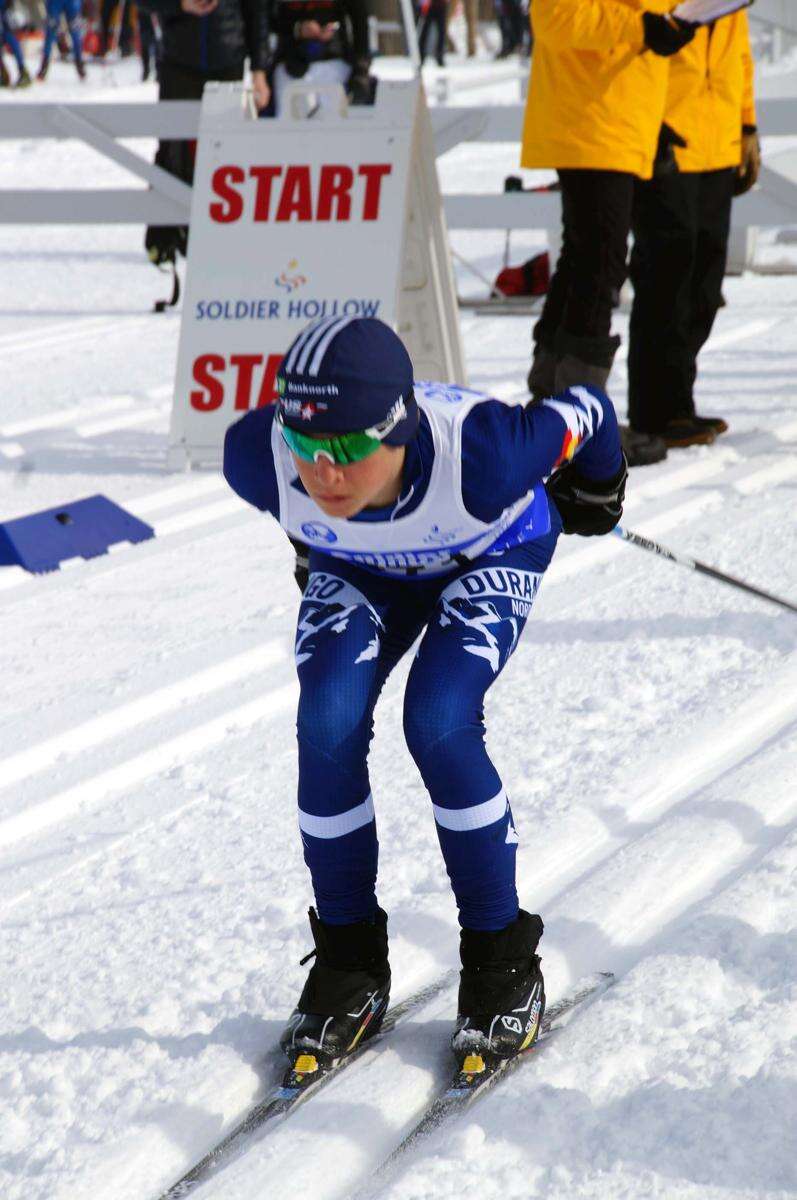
column 359, row 614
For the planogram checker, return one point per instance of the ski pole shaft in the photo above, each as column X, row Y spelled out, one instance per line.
column 693, row 564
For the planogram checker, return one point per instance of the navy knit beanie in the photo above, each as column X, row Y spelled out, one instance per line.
column 347, row 374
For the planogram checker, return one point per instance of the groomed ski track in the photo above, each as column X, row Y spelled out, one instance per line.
column 152, row 894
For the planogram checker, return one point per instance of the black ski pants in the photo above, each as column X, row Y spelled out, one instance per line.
column 177, row 82
column 435, row 15
column 596, row 217
column 681, row 223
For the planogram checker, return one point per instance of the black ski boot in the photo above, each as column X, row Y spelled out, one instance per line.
column 501, row 994
column 346, row 994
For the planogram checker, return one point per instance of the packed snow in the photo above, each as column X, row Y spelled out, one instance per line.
column 152, row 891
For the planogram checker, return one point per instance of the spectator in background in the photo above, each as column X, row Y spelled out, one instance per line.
column 681, row 226
column 148, row 42
column 594, row 112
column 470, row 9
column 116, row 30
column 70, row 11
column 202, row 40
column 322, row 41
column 511, row 24
column 9, row 38
column 433, row 16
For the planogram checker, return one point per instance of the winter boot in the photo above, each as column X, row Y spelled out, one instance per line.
column 716, row 423
column 689, row 431
column 346, row 994
column 541, row 378
column 501, row 993
column 585, row 360
column 642, row 449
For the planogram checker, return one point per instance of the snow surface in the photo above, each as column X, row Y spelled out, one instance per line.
column 152, row 891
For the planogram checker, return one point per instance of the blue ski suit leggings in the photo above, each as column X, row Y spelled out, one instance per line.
column 9, row 38
column 70, row 10
column 353, row 627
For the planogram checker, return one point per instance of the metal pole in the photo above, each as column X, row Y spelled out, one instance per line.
column 693, row 564
column 410, row 36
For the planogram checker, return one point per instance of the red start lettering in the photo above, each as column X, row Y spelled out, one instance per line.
column 335, row 192
column 248, row 380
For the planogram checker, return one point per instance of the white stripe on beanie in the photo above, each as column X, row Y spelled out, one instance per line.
column 312, row 341
column 323, row 345
column 301, row 340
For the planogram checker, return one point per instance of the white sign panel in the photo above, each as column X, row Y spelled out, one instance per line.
column 292, row 219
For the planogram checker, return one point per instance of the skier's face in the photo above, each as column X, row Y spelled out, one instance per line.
column 344, row 491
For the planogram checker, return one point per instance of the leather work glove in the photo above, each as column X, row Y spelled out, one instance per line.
column 666, row 35
column 588, row 507
column 747, row 171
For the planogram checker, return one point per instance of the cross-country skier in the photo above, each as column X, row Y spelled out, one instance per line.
column 9, row 38
column 70, row 11
column 426, row 513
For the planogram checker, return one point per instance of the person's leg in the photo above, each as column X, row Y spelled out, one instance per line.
column 542, row 376
column 106, row 12
column 715, row 197
column 499, row 8
column 662, row 264
column 517, row 23
column 125, row 29
column 349, row 636
column 471, row 23
column 440, row 23
column 600, row 217
column 73, row 24
column 475, row 627
column 146, row 33
column 424, row 28
column 10, row 39
column 54, row 11
column 175, row 82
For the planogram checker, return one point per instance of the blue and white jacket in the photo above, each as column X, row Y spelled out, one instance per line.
column 471, row 485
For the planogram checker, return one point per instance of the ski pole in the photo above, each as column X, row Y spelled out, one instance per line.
column 693, row 564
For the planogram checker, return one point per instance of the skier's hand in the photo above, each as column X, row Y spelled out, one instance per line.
column 301, row 567
column 198, row 8
column 261, row 92
column 666, row 35
column 749, row 167
column 587, row 506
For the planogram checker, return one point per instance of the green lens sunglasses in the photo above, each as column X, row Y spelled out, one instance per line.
column 341, row 448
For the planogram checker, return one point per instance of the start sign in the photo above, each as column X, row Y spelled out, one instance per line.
column 300, row 217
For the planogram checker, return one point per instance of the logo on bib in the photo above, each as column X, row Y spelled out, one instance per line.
column 440, row 537
column 316, row 531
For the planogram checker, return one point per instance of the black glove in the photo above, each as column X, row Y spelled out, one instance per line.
column 301, row 569
column 361, row 87
column 666, row 35
column 750, row 166
column 587, row 506
column 665, row 162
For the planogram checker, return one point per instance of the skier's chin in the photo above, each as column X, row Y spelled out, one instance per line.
column 339, row 506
